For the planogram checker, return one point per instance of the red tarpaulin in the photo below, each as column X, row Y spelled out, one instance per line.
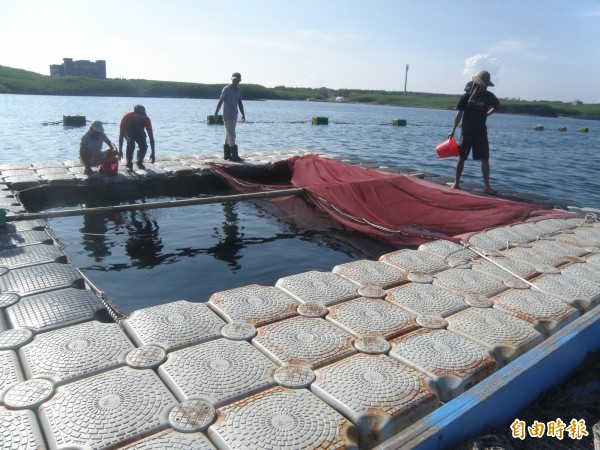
column 397, row 208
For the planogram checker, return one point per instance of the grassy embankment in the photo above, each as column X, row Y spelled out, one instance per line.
column 17, row 81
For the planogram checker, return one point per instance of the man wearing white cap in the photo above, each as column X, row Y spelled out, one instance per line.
column 90, row 149
column 231, row 99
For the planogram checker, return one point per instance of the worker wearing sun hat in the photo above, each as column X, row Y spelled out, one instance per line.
column 231, row 99
column 474, row 107
column 90, row 148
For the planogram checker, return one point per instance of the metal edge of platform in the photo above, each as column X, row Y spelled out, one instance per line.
column 522, row 381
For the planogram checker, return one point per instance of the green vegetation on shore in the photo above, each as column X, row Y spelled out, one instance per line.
column 18, row 81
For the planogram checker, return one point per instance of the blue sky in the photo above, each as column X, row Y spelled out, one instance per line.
column 535, row 50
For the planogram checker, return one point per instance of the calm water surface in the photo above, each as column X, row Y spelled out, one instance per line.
column 152, row 257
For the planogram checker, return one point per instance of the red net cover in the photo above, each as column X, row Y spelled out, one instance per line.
column 396, row 208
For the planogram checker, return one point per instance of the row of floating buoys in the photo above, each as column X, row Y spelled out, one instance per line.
column 563, row 129
column 316, row 120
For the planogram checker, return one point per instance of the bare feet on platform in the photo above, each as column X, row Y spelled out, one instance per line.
column 489, row 190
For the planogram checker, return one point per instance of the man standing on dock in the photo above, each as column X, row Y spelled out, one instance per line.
column 132, row 130
column 474, row 107
column 231, row 98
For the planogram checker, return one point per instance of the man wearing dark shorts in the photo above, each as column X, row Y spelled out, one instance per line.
column 474, row 107
column 133, row 129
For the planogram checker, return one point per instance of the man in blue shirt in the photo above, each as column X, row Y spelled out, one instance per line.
column 231, row 99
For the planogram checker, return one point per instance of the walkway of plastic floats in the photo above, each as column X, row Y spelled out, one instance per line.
column 416, row 350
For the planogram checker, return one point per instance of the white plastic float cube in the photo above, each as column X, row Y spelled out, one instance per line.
column 415, row 261
column 547, row 313
column 452, row 361
column 20, row 429
column 380, row 395
column 312, row 340
column 506, row 336
column 220, row 371
column 426, row 299
column 365, row 272
column 581, row 293
column 10, row 371
column 172, row 440
column 584, row 270
column 366, row 316
column 451, row 252
column 565, row 249
column 324, row 288
column 588, row 237
column 173, row 325
column 469, row 282
column 536, row 257
column 107, row 409
column 281, row 418
column 257, row 305
column 73, row 352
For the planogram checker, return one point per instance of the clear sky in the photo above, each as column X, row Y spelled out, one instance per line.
column 534, row 50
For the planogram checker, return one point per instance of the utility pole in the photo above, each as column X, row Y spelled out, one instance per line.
column 405, row 79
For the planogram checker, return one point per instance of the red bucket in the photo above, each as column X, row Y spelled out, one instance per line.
column 447, row 148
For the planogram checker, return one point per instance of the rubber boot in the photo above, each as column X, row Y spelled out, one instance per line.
column 226, row 152
column 234, row 154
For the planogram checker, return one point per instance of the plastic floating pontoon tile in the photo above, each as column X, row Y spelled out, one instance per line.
column 584, row 237
column 505, row 269
column 15, row 338
column 324, row 288
column 594, row 261
column 10, row 371
column 478, row 301
column 529, row 231
column 535, row 257
column 294, row 376
column 16, row 257
column 174, row 324
column 454, row 362
column 8, row 201
column 426, row 299
column 192, row 415
column 220, row 371
column 559, row 225
column 172, row 440
column 364, row 316
column 582, row 270
column 106, row 409
column 547, row 313
column 371, row 272
column 239, row 331
column 28, row 394
column 74, row 352
column 21, row 225
column 449, row 251
column 51, row 310
column 380, row 395
column 495, row 239
column 312, row 310
column 41, row 278
column 559, row 248
column 20, row 430
column 315, row 341
column 25, row 237
column 505, row 335
column 581, row 293
column 282, row 418
column 254, row 304
column 146, row 357
column 469, row 282
column 415, row 261
column 372, row 345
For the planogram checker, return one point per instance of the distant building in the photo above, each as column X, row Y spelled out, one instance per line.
column 83, row 68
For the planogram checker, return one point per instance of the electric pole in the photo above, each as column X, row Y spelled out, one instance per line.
column 405, row 79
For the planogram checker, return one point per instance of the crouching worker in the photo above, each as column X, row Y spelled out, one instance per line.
column 90, row 149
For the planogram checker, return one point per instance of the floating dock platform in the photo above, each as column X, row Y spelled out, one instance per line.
column 419, row 349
